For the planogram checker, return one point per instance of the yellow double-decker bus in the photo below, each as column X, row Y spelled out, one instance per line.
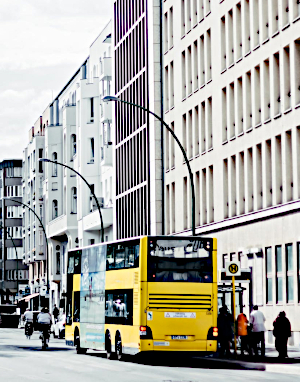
column 142, row 295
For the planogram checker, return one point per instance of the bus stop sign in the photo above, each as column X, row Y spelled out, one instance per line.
column 233, row 268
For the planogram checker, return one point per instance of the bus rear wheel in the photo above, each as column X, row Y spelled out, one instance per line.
column 118, row 348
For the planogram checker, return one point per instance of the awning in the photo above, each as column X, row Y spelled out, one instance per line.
column 29, row 297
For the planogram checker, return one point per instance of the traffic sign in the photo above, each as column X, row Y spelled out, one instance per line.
column 233, row 268
column 43, row 290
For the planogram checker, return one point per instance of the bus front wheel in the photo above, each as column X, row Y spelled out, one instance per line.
column 79, row 350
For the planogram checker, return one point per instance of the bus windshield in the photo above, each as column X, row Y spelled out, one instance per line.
column 180, row 260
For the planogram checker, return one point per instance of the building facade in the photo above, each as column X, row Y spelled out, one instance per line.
column 138, row 150
column 34, row 238
column 13, row 272
column 78, row 136
column 231, row 95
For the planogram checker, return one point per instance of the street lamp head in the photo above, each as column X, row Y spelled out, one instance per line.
column 44, row 160
column 110, row 98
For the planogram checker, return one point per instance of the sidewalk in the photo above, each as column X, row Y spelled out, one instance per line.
column 270, row 363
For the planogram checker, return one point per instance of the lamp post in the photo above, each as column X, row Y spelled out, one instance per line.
column 89, row 186
column 47, row 249
column 116, row 99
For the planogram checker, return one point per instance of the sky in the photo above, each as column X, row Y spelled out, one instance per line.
column 42, row 44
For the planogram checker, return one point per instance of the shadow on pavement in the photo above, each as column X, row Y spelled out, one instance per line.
column 185, row 361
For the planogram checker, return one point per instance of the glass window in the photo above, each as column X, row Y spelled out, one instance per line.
column 269, row 280
column 123, row 255
column 279, row 275
column 171, row 260
column 289, row 273
column 119, row 307
column 289, row 257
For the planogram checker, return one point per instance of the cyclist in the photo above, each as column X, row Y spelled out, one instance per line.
column 44, row 321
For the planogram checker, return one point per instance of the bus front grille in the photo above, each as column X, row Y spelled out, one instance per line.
column 180, row 301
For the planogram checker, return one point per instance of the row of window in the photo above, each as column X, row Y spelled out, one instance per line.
column 13, row 172
column 132, row 215
column 282, row 274
column 265, row 91
column 204, row 201
column 14, row 252
column 133, row 48
column 14, row 212
column 197, row 136
column 196, row 65
column 14, row 275
column 250, row 24
column 130, row 118
column 193, row 12
column 13, row 191
column 131, row 162
column 126, row 13
column 262, row 176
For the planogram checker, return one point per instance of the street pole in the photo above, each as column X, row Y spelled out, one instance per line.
column 116, row 99
column 47, row 249
column 233, row 300
column 89, row 186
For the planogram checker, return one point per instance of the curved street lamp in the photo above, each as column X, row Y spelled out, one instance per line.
column 47, row 249
column 116, row 99
column 89, row 186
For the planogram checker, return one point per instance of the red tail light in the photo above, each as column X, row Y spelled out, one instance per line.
column 143, row 328
column 215, row 332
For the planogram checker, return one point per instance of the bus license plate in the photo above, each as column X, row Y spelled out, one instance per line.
column 179, row 337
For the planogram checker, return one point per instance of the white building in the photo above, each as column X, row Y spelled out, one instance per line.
column 232, row 94
column 78, row 136
column 34, row 241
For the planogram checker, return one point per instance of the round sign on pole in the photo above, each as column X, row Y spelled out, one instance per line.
column 233, row 268
column 43, row 290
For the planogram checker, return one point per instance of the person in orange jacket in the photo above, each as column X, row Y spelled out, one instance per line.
column 242, row 331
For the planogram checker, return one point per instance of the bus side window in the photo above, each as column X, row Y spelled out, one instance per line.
column 110, row 258
column 136, row 255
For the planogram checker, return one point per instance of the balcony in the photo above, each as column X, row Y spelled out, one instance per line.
column 106, row 69
column 106, row 155
column 106, row 112
column 91, row 222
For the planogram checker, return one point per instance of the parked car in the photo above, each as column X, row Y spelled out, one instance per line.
column 58, row 328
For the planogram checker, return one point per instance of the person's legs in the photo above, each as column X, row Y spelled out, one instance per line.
column 262, row 343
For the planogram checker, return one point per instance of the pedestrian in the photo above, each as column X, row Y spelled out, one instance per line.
column 224, row 331
column 55, row 312
column 281, row 332
column 257, row 322
column 242, row 331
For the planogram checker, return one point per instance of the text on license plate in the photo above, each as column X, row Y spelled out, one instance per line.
column 179, row 337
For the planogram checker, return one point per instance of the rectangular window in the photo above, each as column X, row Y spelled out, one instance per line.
column 289, row 273
column 119, row 307
column 269, row 298
column 92, row 109
column 279, row 275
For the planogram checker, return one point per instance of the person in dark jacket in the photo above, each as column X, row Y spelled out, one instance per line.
column 225, row 331
column 281, row 332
